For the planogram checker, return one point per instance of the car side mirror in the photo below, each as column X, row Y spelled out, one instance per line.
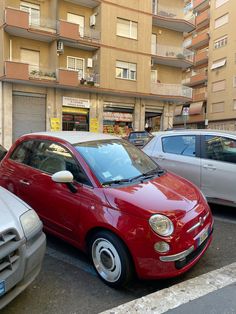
column 65, row 177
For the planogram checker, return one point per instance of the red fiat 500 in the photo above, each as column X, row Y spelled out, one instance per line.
column 105, row 196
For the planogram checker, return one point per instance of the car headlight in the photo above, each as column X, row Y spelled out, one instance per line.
column 30, row 223
column 162, row 225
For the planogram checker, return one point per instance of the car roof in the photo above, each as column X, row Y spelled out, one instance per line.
column 74, row 137
column 198, row 131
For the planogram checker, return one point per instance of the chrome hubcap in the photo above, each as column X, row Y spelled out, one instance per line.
column 106, row 260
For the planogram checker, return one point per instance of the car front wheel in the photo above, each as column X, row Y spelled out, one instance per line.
column 110, row 259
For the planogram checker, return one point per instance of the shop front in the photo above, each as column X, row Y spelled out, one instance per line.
column 75, row 114
column 153, row 116
column 118, row 120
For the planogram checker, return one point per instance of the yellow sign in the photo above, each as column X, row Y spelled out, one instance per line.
column 74, row 110
column 55, row 124
column 93, row 125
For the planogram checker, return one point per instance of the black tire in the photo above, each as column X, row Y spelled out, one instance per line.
column 110, row 259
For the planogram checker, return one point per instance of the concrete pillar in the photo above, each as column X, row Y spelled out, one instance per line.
column 57, row 108
column 168, row 116
column 7, row 108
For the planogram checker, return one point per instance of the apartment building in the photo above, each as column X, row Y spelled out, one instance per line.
column 98, row 65
column 193, row 115
column 221, row 110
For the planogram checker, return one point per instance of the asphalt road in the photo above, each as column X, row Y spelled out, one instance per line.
column 68, row 284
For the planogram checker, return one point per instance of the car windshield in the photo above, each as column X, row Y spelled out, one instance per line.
column 116, row 161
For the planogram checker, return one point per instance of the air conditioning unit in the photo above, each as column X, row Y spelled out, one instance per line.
column 92, row 20
column 60, row 47
column 89, row 63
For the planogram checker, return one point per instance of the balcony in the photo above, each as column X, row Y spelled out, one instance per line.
column 18, row 23
column 200, row 40
column 176, row 92
column 86, row 3
column 172, row 56
column 200, row 5
column 201, row 57
column 173, row 18
column 200, row 95
column 74, row 35
column 195, row 79
column 70, row 78
column 203, row 19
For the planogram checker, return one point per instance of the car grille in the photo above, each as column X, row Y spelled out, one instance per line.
column 9, row 251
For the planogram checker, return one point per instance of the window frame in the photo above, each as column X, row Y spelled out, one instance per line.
column 81, row 72
column 129, row 28
column 129, row 71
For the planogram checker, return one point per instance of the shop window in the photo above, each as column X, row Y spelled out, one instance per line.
column 126, row 28
column 125, row 70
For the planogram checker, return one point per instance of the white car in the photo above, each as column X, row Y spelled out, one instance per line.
column 205, row 157
column 22, row 246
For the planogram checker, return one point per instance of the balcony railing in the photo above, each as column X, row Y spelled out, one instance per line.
column 172, row 52
column 171, row 90
column 39, row 73
column 41, row 22
column 173, row 13
column 73, row 78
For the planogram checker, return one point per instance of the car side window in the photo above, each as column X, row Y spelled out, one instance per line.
column 220, row 148
column 23, row 152
column 180, row 145
column 51, row 157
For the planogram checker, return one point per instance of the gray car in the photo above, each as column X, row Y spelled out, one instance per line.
column 205, row 157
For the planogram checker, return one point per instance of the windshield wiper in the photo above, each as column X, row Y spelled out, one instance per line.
column 149, row 174
column 115, row 181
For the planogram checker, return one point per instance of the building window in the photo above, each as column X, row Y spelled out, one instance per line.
column 217, row 107
column 32, row 58
column 33, row 10
column 218, row 64
column 219, row 3
column 221, row 42
column 222, row 20
column 77, row 19
column 126, row 70
column 218, row 86
column 234, row 81
column 126, row 28
column 76, row 64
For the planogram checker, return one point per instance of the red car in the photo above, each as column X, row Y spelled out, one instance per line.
column 105, row 196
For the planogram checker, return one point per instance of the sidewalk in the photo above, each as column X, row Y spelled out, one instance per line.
column 211, row 293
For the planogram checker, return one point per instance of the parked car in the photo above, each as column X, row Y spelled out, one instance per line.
column 205, row 157
column 139, row 138
column 22, row 246
column 105, row 196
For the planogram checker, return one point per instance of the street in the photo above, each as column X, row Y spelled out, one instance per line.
column 68, row 283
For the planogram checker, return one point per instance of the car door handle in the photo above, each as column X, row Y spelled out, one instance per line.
column 24, row 182
column 211, row 167
column 160, row 157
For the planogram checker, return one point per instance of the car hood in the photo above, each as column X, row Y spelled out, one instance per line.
column 11, row 208
column 168, row 195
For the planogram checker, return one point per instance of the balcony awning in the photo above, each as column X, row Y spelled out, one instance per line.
column 196, row 108
column 218, row 64
column 178, row 110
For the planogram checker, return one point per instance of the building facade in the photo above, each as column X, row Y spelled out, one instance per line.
column 98, row 65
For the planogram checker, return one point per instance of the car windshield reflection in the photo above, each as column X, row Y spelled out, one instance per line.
column 116, row 161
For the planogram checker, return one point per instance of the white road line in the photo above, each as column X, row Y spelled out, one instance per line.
column 170, row 298
column 65, row 258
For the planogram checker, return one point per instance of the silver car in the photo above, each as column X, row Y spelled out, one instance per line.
column 205, row 157
column 22, row 246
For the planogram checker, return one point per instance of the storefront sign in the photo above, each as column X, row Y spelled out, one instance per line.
column 93, row 125
column 118, row 116
column 75, row 110
column 55, row 124
column 76, row 102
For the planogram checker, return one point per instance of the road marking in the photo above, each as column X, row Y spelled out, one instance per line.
column 65, row 258
column 170, row 298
